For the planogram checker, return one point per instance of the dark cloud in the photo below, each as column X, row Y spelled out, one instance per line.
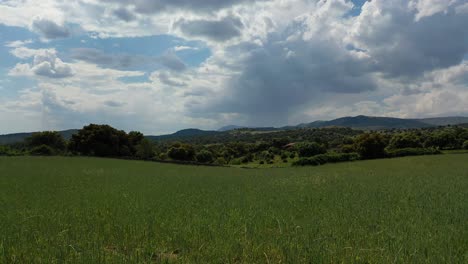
column 113, row 103
column 280, row 77
column 153, row 6
column 403, row 47
column 216, row 30
column 124, row 14
column 49, row 29
column 300, row 66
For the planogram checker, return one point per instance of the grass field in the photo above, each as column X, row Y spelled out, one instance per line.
column 80, row 210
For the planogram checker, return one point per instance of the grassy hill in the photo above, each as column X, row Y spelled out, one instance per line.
column 83, row 210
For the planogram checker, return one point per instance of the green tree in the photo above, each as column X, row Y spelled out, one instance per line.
column 310, row 149
column 182, row 152
column 405, row 140
column 101, row 141
column 465, row 145
column 144, row 150
column 371, row 145
column 204, row 156
column 48, row 138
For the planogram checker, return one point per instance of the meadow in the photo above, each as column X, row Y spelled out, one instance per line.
column 91, row 210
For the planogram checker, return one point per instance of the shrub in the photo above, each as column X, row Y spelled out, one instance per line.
column 371, row 145
column 48, row 138
column 412, row 152
column 182, row 153
column 310, row 149
column 465, row 145
column 204, row 156
column 144, row 150
column 220, row 161
column 327, row 158
column 7, row 151
column 405, row 140
column 42, row 150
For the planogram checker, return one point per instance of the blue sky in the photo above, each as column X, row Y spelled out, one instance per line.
column 160, row 67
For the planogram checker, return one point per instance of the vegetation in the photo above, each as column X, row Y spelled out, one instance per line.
column 327, row 158
column 87, row 210
column 246, row 147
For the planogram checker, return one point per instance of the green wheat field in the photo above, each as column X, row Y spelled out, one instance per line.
column 90, row 210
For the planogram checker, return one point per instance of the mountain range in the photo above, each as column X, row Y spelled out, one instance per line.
column 357, row 122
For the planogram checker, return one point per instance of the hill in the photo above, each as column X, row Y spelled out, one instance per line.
column 370, row 123
column 18, row 137
column 186, row 133
column 445, row 121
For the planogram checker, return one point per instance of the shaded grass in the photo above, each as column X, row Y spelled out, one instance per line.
column 84, row 210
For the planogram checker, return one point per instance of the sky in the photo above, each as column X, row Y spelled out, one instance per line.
column 158, row 66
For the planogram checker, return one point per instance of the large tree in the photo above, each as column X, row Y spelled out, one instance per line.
column 102, row 141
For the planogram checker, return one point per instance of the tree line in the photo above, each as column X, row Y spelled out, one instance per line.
column 245, row 146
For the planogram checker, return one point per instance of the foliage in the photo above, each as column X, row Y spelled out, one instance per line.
column 371, row 145
column 405, row 140
column 412, row 152
column 310, row 149
column 182, row 152
column 101, row 141
column 54, row 140
column 465, row 145
column 204, row 156
column 327, row 158
column 8, row 151
column 144, row 149
column 42, row 150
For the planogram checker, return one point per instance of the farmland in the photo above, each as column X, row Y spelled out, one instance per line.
column 91, row 210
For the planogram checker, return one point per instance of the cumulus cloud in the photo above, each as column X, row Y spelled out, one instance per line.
column 45, row 64
column 49, row 29
column 272, row 62
column 216, row 30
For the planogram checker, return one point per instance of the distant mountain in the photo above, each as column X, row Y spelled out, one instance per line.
column 231, row 127
column 191, row 132
column 445, row 121
column 19, row 137
column 357, row 122
column 370, row 123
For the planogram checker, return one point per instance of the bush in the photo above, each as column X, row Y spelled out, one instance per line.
column 310, row 149
column 48, row 138
column 182, row 152
column 327, row 158
column 204, row 156
column 465, row 145
column 7, row 151
column 42, row 150
column 371, row 145
column 144, row 150
column 220, row 161
column 412, row 152
column 405, row 140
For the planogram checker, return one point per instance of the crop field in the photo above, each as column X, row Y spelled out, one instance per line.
column 89, row 210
